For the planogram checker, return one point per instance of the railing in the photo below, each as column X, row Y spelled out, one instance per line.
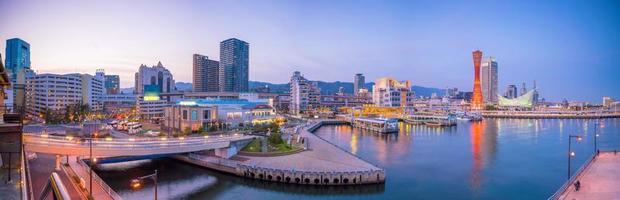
column 575, row 176
column 86, row 170
column 25, row 175
column 129, row 143
column 215, row 160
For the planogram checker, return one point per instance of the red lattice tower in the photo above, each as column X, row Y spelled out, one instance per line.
column 477, row 102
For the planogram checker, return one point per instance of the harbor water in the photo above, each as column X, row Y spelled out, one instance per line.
column 491, row 159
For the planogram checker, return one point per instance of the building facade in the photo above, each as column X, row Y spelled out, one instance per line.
column 388, row 92
column 112, row 84
column 17, row 56
column 197, row 114
column 488, row 77
column 359, row 82
column 93, row 90
column 234, row 65
column 511, row 92
column 156, row 75
column 205, row 77
column 56, row 92
column 305, row 95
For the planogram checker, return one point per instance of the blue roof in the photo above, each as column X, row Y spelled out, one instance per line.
column 206, row 102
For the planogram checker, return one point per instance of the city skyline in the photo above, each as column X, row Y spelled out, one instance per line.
column 569, row 41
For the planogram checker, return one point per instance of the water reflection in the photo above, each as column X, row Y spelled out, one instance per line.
column 483, row 147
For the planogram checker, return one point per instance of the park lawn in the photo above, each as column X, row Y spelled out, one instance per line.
column 254, row 146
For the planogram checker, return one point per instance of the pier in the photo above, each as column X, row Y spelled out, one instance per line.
column 322, row 163
column 599, row 179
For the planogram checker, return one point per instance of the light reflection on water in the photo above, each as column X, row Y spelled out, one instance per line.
column 492, row 159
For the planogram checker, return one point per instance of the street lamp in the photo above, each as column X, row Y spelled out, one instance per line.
column 596, row 124
column 571, row 153
column 137, row 182
column 90, row 165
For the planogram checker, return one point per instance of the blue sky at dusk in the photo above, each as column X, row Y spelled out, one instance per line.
column 571, row 48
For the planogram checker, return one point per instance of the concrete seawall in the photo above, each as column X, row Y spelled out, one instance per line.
column 322, row 164
column 548, row 116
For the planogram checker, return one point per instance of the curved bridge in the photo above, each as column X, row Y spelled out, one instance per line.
column 128, row 147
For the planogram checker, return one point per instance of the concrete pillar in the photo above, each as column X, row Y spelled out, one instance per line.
column 57, row 162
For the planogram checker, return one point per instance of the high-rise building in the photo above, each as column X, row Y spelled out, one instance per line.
column 155, row 75
column 477, row 102
column 388, row 92
column 17, row 62
column 358, row 83
column 305, row 94
column 488, row 73
column 234, row 65
column 205, row 77
column 17, row 56
column 523, row 89
column 511, row 92
column 536, row 95
column 451, row 92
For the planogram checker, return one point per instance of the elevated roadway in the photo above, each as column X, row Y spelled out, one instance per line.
column 128, row 146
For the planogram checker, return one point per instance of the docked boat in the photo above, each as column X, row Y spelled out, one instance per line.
column 431, row 120
column 381, row 125
column 471, row 116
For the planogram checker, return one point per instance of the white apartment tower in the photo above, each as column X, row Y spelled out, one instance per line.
column 305, row 94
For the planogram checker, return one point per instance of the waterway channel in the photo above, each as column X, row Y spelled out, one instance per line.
column 492, row 159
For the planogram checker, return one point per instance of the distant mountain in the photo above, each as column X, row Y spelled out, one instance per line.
column 427, row 91
column 127, row 90
column 273, row 87
column 183, row 87
column 332, row 88
column 326, row 88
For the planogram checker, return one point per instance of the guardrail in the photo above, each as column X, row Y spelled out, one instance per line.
column 26, row 185
column 576, row 175
column 128, row 143
column 106, row 188
column 215, row 160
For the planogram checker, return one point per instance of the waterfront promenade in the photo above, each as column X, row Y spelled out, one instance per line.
column 600, row 179
column 321, row 164
column 550, row 114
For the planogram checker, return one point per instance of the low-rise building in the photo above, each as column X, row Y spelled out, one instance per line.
column 388, row 92
column 201, row 113
column 56, row 92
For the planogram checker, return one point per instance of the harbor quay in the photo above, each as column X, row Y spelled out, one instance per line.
column 322, row 163
column 599, row 178
column 549, row 115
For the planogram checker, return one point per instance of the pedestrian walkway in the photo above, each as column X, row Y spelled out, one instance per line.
column 100, row 189
column 600, row 179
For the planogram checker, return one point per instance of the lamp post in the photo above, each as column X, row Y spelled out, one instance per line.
column 570, row 153
column 596, row 125
column 136, row 183
column 90, row 165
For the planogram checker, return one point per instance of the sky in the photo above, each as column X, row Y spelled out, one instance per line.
column 571, row 48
